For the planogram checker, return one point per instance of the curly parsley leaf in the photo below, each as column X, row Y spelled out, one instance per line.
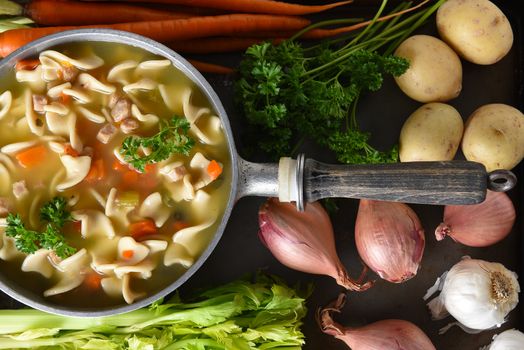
column 171, row 138
column 55, row 212
column 26, row 240
column 53, row 239
column 352, row 147
column 289, row 93
column 29, row 241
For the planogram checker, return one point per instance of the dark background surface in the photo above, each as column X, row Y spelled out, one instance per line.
column 240, row 252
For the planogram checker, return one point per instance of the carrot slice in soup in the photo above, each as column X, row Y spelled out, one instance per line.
column 128, row 254
column 130, row 178
column 65, row 99
column 27, row 64
column 214, row 169
column 117, row 165
column 31, row 157
column 71, row 151
column 179, row 225
column 96, row 172
column 142, row 228
column 93, row 281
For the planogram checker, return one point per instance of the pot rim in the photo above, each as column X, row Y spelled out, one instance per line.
column 36, row 300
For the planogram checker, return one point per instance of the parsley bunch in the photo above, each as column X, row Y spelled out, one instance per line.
column 289, row 92
column 27, row 241
column 171, row 138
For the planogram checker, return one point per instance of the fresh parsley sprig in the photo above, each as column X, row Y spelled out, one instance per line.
column 289, row 92
column 171, row 138
column 53, row 239
column 55, row 212
column 28, row 241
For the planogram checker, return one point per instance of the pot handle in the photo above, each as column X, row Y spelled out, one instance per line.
column 440, row 183
column 257, row 179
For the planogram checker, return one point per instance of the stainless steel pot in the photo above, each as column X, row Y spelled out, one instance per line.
column 300, row 180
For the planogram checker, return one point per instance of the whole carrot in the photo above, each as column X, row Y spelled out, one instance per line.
column 315, row 32
column 216, row 45
column 204, row 67
column 60, row 12
column 167, row 30
column 254, row 6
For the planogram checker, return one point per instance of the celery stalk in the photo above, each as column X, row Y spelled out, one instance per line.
column 10, row 8
column 240, row 315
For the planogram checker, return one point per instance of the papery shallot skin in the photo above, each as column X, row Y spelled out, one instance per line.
column 479, row 225
column 303, row 241
column 390, row 239
column 387, row 334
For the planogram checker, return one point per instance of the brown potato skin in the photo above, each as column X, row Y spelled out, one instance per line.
column 476, row 29
column 435, row 71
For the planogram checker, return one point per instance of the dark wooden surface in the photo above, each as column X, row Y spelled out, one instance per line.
column 382, row 113
column 455, row 182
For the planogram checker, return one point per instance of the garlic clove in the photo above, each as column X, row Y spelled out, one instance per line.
column 510, row 339
column 479, row 225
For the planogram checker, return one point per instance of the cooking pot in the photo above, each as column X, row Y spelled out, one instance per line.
column 301, row 180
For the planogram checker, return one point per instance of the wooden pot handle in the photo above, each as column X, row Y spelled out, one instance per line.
column 441, row 183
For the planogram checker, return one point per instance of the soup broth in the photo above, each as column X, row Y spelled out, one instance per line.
column 135, row 218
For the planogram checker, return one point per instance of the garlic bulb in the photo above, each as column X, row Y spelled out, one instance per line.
column 511, row 339
column 477, row 293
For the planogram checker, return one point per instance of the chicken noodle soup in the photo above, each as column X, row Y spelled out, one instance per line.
column 114, row 174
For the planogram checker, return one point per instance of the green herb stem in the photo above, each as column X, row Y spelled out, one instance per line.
column 370, row 26
column 419, row 21
column 326, row 23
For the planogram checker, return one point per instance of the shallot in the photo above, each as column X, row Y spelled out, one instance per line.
column 389, row 239
column 479, row 225
column 303, row 241
column 477, row 293
column 381, row 335
column 511, row 339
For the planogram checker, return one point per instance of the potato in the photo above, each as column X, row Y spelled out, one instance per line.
column 476, row 29
column 435, row 71
column 494, row 136
column 432, row 132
